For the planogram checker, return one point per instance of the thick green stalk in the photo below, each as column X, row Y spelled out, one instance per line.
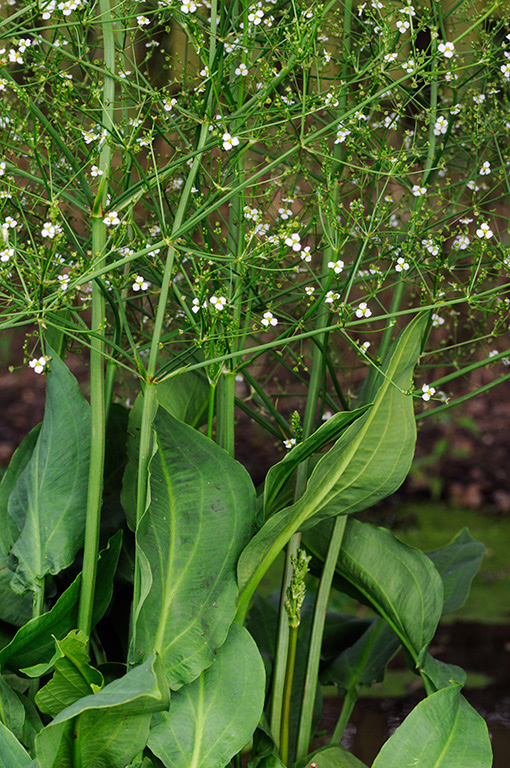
column 287, row 694
column 225, row 401
column 97, row 390
column 314, row 652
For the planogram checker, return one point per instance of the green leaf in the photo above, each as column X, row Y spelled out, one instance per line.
column 364, row 662
column 200, row 516
column 279, row 473
column 264, row 751
column 109, row 728
column 333, row 756
column 12, row 753
column 368, row 462
column 49, row 500
column 12, row 712
column 73, row 678
column 34, row 642
column 398, row 581
column 441, row 674
column 458, row 563
column 442, row 731
column 212, row 718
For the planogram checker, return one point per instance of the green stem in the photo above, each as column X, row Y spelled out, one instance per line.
column 97, row 391
column 347, row 706
column 314, row 652
column 225, row 401
column 210, row 410
column 287, row 694
column 37, row 610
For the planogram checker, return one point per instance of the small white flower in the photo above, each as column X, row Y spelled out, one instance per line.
column 401, row 265
column 342, row 134
column 229, row 141
column 427, row 392
column 331, row 296
column 437, row 321
column 505, row 69
column 218, row 302
column 293, row 241
column 168, row 104
column 269, row 319
column 471, row 184
column 461, row 242
column 364, row 346
column 95, row 171
column 89, row 136
column 289, row 443
column 39, row 364
column 15, row 56
column 111, row 219
column 403, row 25
column 418, row 191
column 142, row 21
column 6, row 254
column 9, row 223
column 242, row 70
column 363, row 310
column 196, row 306
column 485, row 169
column 484, row 231
column 409, row 66
column 2, row 168
column 430, row 246
column 255, row 15
column 447, row 49
column 309, row 289
column 284, row 213
column 337, row 266
column 64, row 282
column 390, row 57
column 140, row 284
column 188, row 6
column 440, row 126
column 479, row 98
column 50, row 230
column 306, row 254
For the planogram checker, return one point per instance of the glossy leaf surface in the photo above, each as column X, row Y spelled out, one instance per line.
column 200, row 516
column 12, row 753
column 212, row 718
column 333, row 756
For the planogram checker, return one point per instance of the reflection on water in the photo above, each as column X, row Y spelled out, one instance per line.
column 479, row 649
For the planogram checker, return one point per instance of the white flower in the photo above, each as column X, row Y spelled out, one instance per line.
column 242, row 70
column 440, row 126
column 418, row 191
column 218, row 302
column 364, row 346
column 168, row 104
column 50, row 230
column 142, row 21
column 401, row 264
column 39, row 363
column 461, row 242
column 402, row 25
column 306, row 254
column 188, row 6
column 64, row 282
column 430, row 246
column 89, row 136
column 337, row 266
column 479, row 98
column 289, row 443
column 484, row 231
column 505, row 69
column 269, row 319
column 427, row 392
column 485, row 169
column 284, row 213
column 6, row 254
column 111, row 219
column 15, row 56
column 331, row 296
column 2, row 168
column 309, row 289
column 9, row 223
column 363, row 310
column 437, row 321
column 471, row 184
column 455, row 109
column 229, row 141
column 95, row 171
column 140, row 284
column 255, row 15
column 408, row 66
column 447, row 49
column 293, row 241
column 342, row 134
column 390, row 57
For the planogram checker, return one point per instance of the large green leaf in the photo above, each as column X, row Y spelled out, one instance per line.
column 12, row 753
column 400, row 582
column 48, row 502
column 73, row 677
column 458, row 563
column 200, row 516
column 12, row 711
column 212, row 718
column 442, row 731
column 107, row 729
column 368, row 462
column 333, row 756
column 34, row 642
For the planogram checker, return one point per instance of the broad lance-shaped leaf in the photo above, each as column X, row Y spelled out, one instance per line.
column 458, row 563
column 399, row 581
column 108, row 728
column 200, row 517
column 73, row 677
column 211, row 719
column 12, row 711
column 333, row 756
column 12, row 753
column 442, row 731
column 34, row 643
column 49, row 500
column 368, row 462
